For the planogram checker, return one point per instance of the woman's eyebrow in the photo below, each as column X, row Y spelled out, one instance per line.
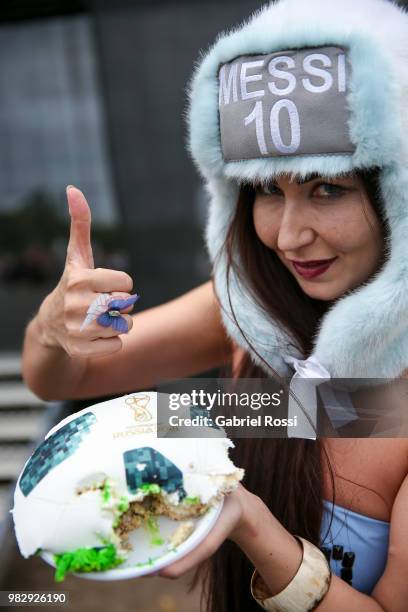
column 314, row 175
column 309, row 177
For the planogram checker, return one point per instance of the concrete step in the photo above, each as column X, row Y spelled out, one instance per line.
column 16, row 394
column 10, row 365
column 16, row 425
column 5, row 499
column 12, row 459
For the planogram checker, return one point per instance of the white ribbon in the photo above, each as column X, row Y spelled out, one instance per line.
column 305, row 392
column 338, row 404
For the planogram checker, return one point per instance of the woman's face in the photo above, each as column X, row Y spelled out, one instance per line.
column 324, row 230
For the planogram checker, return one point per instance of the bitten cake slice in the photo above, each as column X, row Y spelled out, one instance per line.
column 102, row 472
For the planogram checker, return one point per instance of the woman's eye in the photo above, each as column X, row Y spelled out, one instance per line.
column 329, row 190
column 269, row 189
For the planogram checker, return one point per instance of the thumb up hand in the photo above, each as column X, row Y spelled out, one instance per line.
column 63, row 311
column 79, row 251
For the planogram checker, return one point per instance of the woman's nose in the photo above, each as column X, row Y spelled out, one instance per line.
column 295, row 229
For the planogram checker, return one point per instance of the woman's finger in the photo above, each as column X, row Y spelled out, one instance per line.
column 102, row 280
column 79, row 250
column 225, row 524
column 123, row 296
column 95, row 330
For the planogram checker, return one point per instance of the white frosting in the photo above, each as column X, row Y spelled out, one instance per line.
column 60, row 513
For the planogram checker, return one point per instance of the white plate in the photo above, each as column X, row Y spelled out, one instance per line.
column 146, row 558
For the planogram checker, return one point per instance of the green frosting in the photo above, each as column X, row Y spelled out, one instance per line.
column 106, row 491
column 116, row 521
column 192, row 500
column 149, row 562
column 151, row 488
column 123, row 504
column 122, row 507
column 153, row 529
column 86, row 560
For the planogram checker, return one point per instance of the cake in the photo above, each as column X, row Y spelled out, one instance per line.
column 103, row 472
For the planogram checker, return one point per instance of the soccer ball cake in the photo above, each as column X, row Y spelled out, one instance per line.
column 103, row 472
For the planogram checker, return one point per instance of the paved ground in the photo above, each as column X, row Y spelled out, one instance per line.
column 138, row 595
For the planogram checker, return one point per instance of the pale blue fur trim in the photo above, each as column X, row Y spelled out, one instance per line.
column 373, row 97
column 366, row 333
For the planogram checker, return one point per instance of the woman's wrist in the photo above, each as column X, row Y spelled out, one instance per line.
column 247, row 528
column 275, row 552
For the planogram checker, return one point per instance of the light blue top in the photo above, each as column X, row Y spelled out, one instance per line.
column 366, row 537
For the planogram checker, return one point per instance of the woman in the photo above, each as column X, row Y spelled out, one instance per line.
column 335, row 218
column 296, row 123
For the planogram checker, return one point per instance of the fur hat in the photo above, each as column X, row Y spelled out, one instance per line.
column 365, row 333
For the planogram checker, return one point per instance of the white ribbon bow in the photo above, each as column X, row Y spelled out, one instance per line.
column 338, row 404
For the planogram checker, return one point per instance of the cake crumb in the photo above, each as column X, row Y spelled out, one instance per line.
column 181, row 534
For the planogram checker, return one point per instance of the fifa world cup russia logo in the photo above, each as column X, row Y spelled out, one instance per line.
column 139, row 403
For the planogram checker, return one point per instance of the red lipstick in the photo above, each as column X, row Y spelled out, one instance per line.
column 312, row 268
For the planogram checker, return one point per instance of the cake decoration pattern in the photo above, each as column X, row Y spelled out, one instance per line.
column 58, row 447
column 146, row 466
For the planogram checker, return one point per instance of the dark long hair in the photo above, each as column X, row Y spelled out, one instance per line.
column 293, row 466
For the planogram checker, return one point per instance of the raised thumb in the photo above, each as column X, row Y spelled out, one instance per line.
column 79, row 250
